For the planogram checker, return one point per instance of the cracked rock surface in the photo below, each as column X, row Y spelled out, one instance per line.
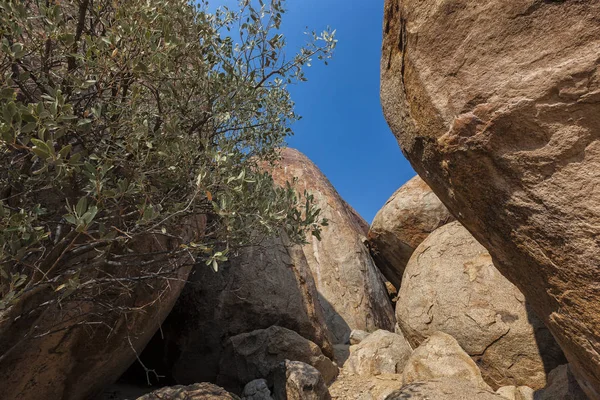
column 451, row 284
column 495, row 104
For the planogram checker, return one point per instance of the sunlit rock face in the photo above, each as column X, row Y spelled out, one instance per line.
column 451, row 285
column 495, row 103
column 350, row 287
column 406, row 219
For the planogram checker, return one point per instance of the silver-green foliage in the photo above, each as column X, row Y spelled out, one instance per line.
column 124, row 118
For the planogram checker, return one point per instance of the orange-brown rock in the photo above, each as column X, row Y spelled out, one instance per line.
column 70, row 349
column 350, row 288
column 496, row 105
column 406, row 219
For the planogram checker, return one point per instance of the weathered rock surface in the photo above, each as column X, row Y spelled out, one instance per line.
column 256, row 354
column 406, row 219
column 516, row 393
column 562, row 385
column 257, row 389
column 357, row 387
column 495, row 103
column 452, row 285
column 381, row 352
column 295, row 380
column 265, row 285
column 443, row 389
column 441, row 357
column 198, row 391
column 351, row 291
column 357, row 336
column 72, row 349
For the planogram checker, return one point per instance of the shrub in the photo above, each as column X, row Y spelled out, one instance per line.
column 123, row 119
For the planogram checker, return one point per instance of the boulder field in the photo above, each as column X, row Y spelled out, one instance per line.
column 289, row 322
column 496, row 105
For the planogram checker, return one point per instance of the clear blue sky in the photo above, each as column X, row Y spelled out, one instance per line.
column 343, row 130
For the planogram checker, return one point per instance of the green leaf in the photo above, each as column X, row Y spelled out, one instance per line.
column 82, row 206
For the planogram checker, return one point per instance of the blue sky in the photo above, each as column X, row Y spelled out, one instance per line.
column 343, row 130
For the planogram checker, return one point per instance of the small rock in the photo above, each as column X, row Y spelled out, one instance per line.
column 441, row 357
column 357, row 336
column 295, row 380
column 256, row 355
column 516, row 393
column 381, row 352
column 198, row 391
column 257, row 389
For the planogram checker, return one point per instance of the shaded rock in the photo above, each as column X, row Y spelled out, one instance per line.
column 295, row 380
column 357, row 387
column 516, row 393
column 264, row 285
column 500, row 118
column 198, row 391
column 452, row 285
column 357, row 336
column 341, row 353
column 443, row 389
column 257, row 389
column 441, row 357
column 562, row 385
column 406, row 219
column 350, row 289
column 381, row 352
column 256, row 354
column 70, row 349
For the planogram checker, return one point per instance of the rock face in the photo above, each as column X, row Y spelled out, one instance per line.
column 406, row 219
column 495, row 104
column 451, row 285
column 441, row 357
column 257, row 354
column 198, row 391
column 70, row 350
column 443, row 389
column 351, row 291
column 381, row 352
column 295, row 380
column 269, row 284
column 561, row 386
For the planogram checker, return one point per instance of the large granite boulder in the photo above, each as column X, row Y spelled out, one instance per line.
column 406, row 219
column 350, row 288
column 381, row 352
column 71, row 347
column 495, row 104
column 440, row 357
column 263, row 285
column 451, row 285
column 443, row 389
column 257, row 354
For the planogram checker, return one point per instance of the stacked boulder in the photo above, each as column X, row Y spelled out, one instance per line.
column 471, row 329
column 277, row 303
